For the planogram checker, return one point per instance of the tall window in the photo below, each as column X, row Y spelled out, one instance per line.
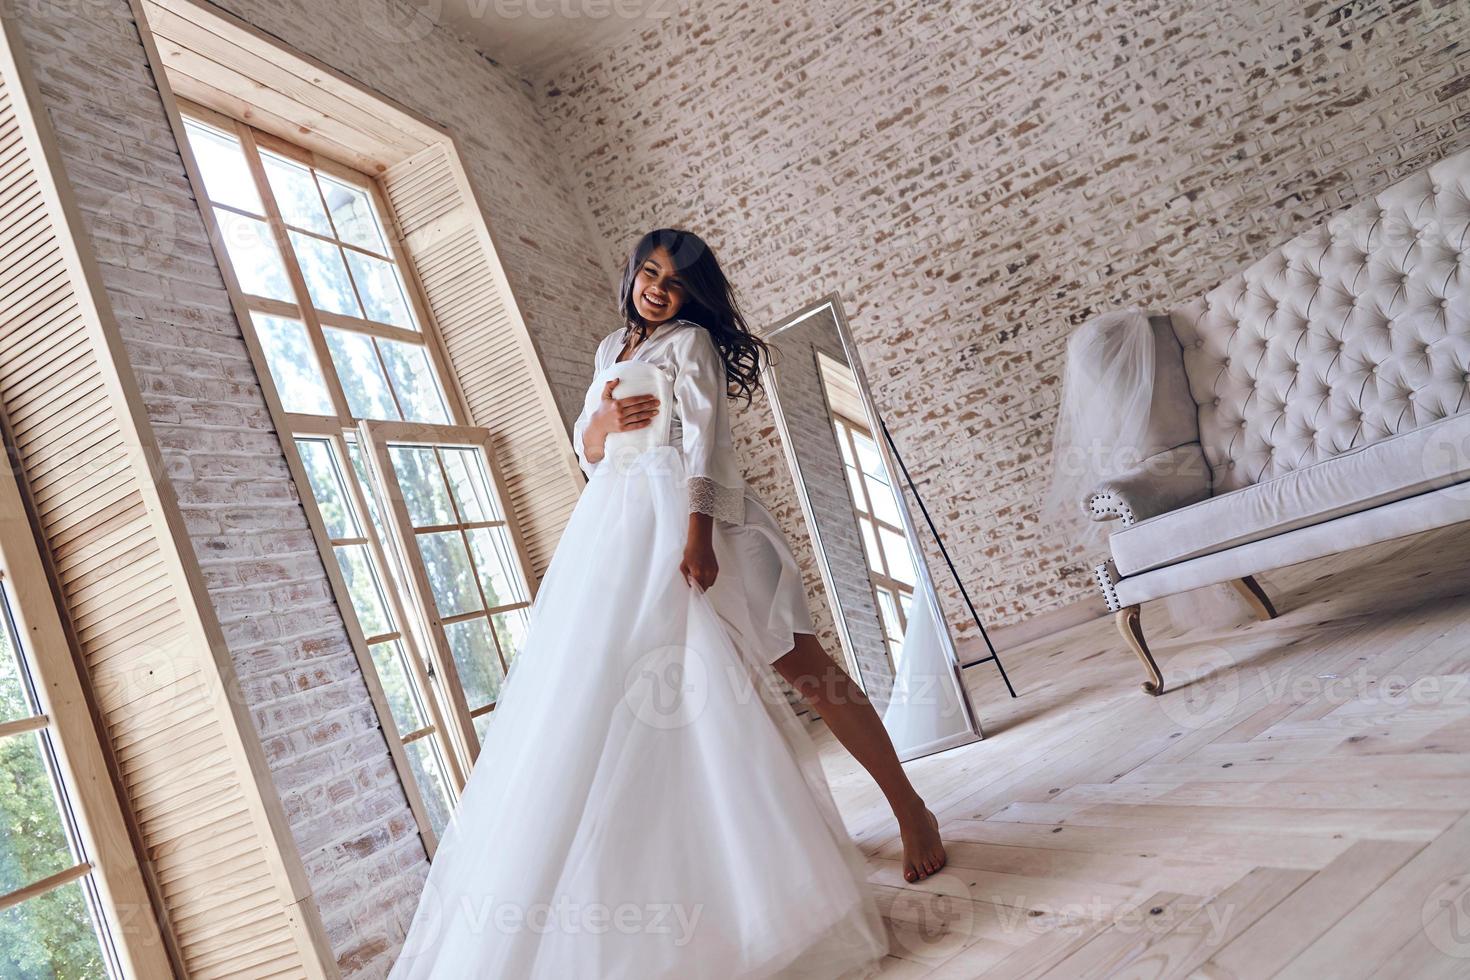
column 51, row 920
column 410, row 504
column 890, row 563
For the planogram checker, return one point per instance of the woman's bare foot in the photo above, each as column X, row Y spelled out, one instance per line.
column 849, row 715
column 923, row 851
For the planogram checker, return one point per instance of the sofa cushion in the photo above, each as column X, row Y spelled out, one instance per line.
column 1172, row 414
column 1412, row 462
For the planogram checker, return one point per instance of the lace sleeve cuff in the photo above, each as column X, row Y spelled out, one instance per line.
column 717, row 500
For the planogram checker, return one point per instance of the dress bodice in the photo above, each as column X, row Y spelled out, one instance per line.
column 679, row 363
column 636, row 378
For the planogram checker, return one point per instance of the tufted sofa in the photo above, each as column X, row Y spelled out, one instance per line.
column 1316, row 402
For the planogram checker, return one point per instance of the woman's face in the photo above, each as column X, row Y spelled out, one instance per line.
column 658, row 292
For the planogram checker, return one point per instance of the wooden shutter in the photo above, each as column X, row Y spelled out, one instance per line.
column 489, row 349
column 157, row 691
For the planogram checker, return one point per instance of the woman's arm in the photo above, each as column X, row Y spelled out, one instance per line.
column 579, row 442
column 716, row 489
column 716, row 486
column 611, row 415
column 699, row 564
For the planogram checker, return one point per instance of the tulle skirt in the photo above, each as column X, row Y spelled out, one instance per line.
column 645, row 804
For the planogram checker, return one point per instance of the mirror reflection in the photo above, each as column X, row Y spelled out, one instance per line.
column 877, row 582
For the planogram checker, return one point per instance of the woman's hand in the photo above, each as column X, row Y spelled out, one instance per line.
column 699, row 566
column 616, row 415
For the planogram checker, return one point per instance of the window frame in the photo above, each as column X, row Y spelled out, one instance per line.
column 401, row 612
column 846, row 430
column 445, row 723
column 315, row 321
column 376, row 437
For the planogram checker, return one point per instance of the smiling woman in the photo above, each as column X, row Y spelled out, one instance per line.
column 681, row 775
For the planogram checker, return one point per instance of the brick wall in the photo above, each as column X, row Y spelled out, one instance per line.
column 297, row 672
column 977, row 178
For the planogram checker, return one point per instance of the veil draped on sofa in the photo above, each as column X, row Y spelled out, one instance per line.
column 1107, row 388
column 1102, row 431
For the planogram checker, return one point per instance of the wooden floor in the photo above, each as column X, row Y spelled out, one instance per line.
column 1299, row 810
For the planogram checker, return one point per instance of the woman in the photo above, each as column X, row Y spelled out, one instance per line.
column 645, row 804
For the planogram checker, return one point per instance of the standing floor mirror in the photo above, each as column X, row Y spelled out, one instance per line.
column 894, row 639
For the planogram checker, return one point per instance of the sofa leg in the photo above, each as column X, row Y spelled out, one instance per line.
column 1250, row 590
column 1130, row 624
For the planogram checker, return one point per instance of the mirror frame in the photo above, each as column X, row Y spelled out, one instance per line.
column 921, row 564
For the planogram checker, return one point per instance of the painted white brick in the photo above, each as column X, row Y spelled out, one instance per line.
column 977, row 179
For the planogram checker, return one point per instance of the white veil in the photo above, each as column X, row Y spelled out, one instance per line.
column 1102, row 426
column 1102, row 431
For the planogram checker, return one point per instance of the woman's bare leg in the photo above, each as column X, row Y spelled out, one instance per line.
column 848, row 713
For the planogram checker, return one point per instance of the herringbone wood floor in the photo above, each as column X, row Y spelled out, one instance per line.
column 1298, row 810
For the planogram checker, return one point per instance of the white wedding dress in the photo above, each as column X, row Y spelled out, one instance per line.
column 645, row 804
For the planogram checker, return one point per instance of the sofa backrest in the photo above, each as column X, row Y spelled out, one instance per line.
column 1354, row 331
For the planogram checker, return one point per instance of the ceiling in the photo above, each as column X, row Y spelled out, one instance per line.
column 535, row 37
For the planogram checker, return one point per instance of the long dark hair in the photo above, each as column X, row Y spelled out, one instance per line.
column 709, row 302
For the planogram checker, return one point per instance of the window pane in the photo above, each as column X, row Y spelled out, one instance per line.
column 327, row 488
column 482, row 726
column 495, row 562
column 34, row 842
column 510, row 630
column 422, row 483
column 360, row 374
column 362, row 585
column 854, row 490
column 413, row 381
column 353, row 214
column 381, row 290
column 293, row 365
column 450, row 577
column 890, row 615
column 870, row 546
column 369, row 493
column 428, row 773
column 842, row 444
column 227, row 178
column 254, row 256
column 900, row 561
column 397, row 686
column 868, row 457
column 895, row 651
column 51, row 936
column 476, row 660
column 325, row 275
column 470, row 483
column 15, row 701
column 885, row 505
column 296, row 194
